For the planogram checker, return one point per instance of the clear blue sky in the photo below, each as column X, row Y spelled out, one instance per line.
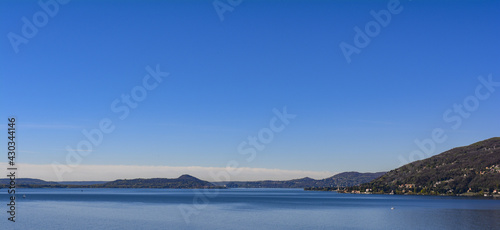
column 227, row 76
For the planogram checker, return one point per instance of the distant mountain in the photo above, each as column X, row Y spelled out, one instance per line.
column 342, row 179
column 468, row 170
column 81, row 182
column 296, row 183
column 26, row 181
column 184, row 181
column 37, row 183
column 346, row 179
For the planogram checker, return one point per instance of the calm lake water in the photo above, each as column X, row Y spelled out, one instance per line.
column 242, row 209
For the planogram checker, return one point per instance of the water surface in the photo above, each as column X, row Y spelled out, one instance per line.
column 243, row 209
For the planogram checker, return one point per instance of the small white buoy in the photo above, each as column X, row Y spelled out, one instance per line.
column 392, row 208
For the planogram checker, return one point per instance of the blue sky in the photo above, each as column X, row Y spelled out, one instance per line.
column 226, row 77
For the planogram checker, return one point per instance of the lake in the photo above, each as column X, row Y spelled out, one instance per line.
column 242, row 209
